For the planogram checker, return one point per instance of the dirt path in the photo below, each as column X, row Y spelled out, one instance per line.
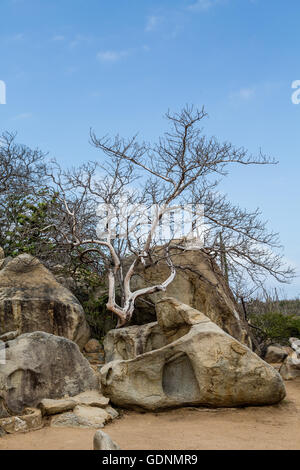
column 276, row 427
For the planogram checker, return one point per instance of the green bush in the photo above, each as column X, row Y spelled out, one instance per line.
column 275, row 326
column 98, row 317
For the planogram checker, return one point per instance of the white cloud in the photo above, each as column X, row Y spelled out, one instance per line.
column 58, row 37
column 22, row 116
column 16, row 37
column 202, row 5
column 80, row 39
column 111, row 56
column 152, row 23
column 244, row 94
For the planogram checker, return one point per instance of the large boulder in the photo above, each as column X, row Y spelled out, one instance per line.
column 32, row 300
column 198, row 283
column 40, row 365
column 275, row 354
column 199, row 364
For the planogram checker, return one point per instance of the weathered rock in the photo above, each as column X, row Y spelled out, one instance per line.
column 4, row 261
column 53, row 407
column 31, row 420
column 95, row 358
column 32, row 300
column 112, row 412
column 198, row 283
column 102, row 441
column 9, row 336
column 83, row 417
column 92, row 346
column 91, row 398
column 2, row 256
column 40, row 365
column 200, row 365
column 290, row 369
column 275, row 354
column 130, row 342
column 295, row 345
column 96, row 416
column 2, row 432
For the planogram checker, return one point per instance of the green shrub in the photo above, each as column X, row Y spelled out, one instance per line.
column 98, row 317
column 275, row 326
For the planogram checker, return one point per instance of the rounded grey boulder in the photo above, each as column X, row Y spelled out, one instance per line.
column 40, row 365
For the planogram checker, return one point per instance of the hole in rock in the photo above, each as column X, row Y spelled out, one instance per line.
column 179, row 379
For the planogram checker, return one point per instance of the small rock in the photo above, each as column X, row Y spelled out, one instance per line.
column 94, row 358
column 92, row 414
column 275, row 354
column 102, row 441
column 29, row 421
column 295, row 345
column 91, row 398
column 92, row 346
column 294, row 340
column 2, row 432
column 53, row 407
column 290, row 369
column 68, row 420
column 112, row 412
column 83, row 417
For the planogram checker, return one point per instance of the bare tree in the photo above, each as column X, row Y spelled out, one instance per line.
column 21, row 168
column 81, row 192
column 22, row 181
column 183, row 168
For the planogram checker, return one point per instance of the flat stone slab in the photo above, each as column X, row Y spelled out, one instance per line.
column 83, row 417
column 53, row 407
column 91, row 398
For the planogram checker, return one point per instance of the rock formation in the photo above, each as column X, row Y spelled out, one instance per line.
column 199, row 364
column 128, row 343
column 198, row 283
column 40, row 365
column 32, row 300
column 30, row 420
column 2, row 256
column 84, row 417
column 290, row 369
column 275, row 354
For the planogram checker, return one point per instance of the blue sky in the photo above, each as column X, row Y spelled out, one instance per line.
column 117, row 66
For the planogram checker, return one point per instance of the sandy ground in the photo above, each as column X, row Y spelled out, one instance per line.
column 276, row 427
